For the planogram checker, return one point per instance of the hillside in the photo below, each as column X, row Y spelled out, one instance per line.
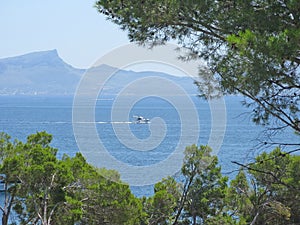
column 38, row 73
column 45, row 73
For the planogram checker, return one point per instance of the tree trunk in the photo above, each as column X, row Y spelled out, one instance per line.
column 194, row 220
column 4, row 219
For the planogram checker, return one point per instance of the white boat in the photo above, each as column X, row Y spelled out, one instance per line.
column 141, row 120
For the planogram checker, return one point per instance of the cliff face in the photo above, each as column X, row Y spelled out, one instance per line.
column 38, row 73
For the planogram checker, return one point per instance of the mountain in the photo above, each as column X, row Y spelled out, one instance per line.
column 38, row 73
column 123, row 78
column 45, row 73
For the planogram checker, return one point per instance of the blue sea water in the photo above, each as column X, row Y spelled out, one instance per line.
column 21, row 116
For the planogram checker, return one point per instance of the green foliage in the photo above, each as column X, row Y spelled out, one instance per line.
column 239, row 198
column 275, row 173
column 199, row 198
column 205, row 197
column 42, row 189
column 264, row 192
column 269, row 194
column 40, row 138
column 107, row 201
column 4, row 145
column 161, row 207
column 252, row 47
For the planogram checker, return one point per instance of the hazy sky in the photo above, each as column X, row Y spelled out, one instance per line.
column 74, row 27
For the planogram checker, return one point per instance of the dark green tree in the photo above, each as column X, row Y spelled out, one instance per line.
column 274, row 172
column 206, row 185
column 8, row 179
column 42, row 189
column 252, row 47
column 198, row 195
column 40, row 180
column 270, row 192
column 161, row 208
column 239, row 198
column 101, row 200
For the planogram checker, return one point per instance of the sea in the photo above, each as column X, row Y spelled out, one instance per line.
column 235, row 136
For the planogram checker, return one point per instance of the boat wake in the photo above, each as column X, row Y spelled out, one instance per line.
column 107, row 122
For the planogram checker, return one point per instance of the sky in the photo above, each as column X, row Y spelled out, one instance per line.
column 74, row 27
